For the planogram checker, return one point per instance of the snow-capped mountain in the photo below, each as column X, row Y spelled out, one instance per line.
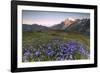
column 64, row 24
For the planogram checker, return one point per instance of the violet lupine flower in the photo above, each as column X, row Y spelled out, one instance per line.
column 27, row 54
column 37, row 53
column 81, row 49
column 49, row 51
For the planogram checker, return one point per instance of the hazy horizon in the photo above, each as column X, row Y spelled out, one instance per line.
column 48, row 18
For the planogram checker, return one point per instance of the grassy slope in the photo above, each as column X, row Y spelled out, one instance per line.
column 31, row 38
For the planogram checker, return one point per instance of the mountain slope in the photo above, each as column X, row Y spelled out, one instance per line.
column 82, row 26
column 58, row 26
column 33, row 27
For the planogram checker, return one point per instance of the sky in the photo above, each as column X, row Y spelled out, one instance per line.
column 49, row 18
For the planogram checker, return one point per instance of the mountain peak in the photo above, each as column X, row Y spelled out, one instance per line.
column 69, row 21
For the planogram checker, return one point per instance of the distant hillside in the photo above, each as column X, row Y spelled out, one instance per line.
column 33, row 27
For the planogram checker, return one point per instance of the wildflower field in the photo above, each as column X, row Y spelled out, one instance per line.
column 54, row 46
